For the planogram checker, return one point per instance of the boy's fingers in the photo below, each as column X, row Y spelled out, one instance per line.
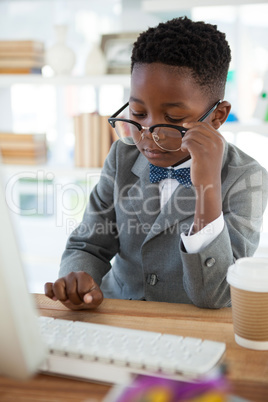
column 88, row 298
column 91, row 300
column 59, row 290
column 94, row 297
column 66, row 289
column 85, row 285
column 76, row 291
column 49, row 290
column 72, row 292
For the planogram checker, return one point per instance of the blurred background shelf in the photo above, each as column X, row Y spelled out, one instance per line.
column 259, row 128
column 175, row 5
column 58, row 170
column 6, row 80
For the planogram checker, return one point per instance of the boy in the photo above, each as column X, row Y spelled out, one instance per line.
column 173, row 238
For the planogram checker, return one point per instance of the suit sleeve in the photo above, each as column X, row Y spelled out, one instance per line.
column 244, row 202
column 92, row 245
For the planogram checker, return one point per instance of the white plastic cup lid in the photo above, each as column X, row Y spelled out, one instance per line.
column 250, row 274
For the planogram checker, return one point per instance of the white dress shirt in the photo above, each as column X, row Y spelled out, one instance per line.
column 196, row 242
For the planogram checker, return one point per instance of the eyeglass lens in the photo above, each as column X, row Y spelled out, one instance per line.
column 167, row 138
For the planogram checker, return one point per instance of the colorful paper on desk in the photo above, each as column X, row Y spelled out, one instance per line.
column 155, row 389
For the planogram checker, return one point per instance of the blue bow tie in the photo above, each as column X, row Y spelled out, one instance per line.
column 159, row 173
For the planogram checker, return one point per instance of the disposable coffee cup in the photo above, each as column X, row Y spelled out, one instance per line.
column 248, row 279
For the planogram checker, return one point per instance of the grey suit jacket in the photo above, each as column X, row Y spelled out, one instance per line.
column 123, row 220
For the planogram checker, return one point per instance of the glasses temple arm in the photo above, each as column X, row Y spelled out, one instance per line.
column 210, row 111
column 120, row 110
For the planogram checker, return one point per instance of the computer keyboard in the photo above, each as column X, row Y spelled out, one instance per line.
column 114, row 355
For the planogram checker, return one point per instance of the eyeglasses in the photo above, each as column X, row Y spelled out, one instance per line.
column 166, row 136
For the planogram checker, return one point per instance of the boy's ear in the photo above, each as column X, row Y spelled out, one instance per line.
column 220, row 115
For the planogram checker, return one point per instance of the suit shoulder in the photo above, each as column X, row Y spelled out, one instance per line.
column 238, row 158
column 238, row 165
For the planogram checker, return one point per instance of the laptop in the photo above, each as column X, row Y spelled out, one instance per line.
column 21, row 348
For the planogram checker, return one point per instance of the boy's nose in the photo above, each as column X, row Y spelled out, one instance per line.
column 146, row 133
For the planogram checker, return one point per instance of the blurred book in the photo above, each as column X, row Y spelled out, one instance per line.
column 20, row 70
column 156, row 389
column 21, row 46
column 21, row 57
column 23, row 149
column 93, row 139
column 106, row 138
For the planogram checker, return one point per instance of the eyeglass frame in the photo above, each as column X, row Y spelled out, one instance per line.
column 113, row 119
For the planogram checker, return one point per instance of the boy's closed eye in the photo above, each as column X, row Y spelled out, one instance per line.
column 169, row 119
column 175, row 120
column 137, row 114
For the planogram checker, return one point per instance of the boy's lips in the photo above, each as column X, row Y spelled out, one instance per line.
column 153, row 153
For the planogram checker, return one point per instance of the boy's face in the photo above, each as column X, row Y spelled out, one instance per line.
column 160, row 94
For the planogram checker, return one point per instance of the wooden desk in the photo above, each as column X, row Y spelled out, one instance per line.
column 247, row 369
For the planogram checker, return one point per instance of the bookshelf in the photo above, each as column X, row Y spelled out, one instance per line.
column 6, row 80
column 60, row 85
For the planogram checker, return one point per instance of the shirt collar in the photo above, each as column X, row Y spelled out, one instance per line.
column 182, row 165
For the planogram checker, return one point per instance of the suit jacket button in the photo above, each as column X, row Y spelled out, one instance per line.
column 210, row 262
column 152, row 279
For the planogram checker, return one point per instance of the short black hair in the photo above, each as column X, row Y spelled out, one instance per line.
column 197, row 46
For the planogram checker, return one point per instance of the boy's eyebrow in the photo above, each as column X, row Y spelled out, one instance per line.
column 176, row 104
column 132, row 99
column 167, row 104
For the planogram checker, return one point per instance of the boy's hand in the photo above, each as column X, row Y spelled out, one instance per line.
column 206, row 147
column 77, row 291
